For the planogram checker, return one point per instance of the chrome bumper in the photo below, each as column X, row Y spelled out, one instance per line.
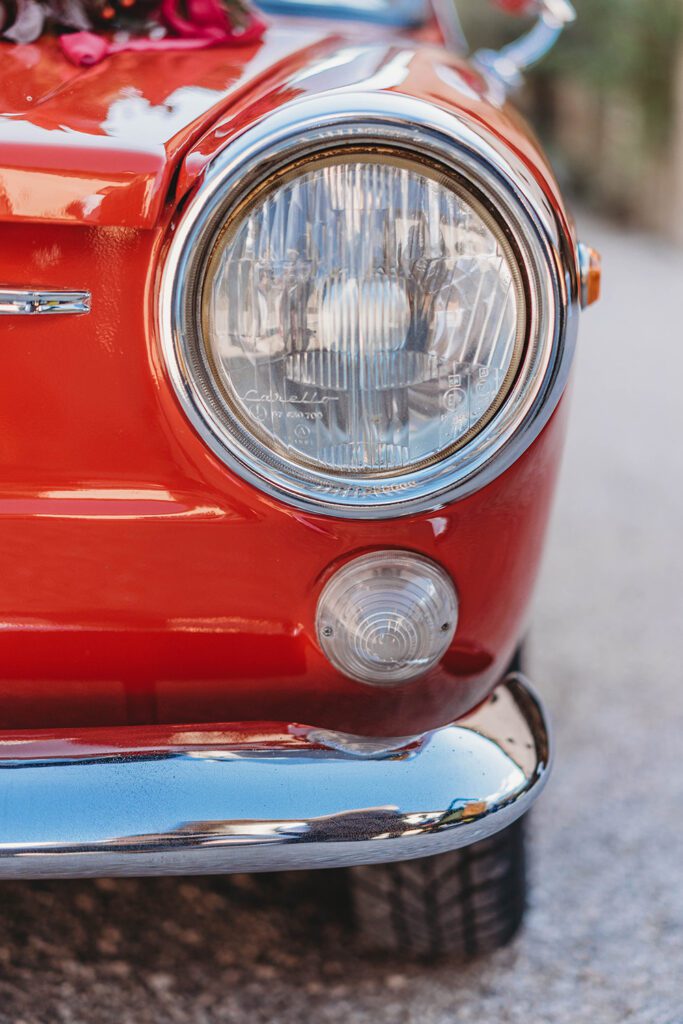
column 263, row 798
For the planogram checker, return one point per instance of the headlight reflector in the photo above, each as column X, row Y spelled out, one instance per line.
column 364, row 315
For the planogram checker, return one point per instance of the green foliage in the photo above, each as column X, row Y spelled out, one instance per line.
column 630, row 47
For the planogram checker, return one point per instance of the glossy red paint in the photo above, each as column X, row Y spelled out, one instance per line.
column 100, row 145
column 141, row 581
column 518, row 6
column 153, row 739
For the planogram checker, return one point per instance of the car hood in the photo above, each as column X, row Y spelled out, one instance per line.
column 99, row 145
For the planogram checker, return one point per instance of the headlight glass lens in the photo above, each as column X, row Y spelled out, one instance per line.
column 362, row 314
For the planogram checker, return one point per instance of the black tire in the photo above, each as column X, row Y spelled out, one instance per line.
column 460, row 904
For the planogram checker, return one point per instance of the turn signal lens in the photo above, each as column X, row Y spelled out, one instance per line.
column 387, row 617
column 590, row 266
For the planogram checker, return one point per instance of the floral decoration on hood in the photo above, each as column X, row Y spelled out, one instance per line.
column 86, row 26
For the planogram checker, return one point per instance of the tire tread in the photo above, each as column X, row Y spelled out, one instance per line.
column 459, row 904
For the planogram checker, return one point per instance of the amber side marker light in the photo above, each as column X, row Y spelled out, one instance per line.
column 590, row 266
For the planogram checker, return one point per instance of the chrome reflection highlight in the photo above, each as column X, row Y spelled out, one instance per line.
column 22, row 302
column 269, row 806
column 508, row 64
column 400, row 13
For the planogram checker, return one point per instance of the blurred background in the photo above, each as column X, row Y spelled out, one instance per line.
column 603, row 943
column 608, row 104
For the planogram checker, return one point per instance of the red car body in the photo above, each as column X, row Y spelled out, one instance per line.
column 170, row 610
column 142, row 581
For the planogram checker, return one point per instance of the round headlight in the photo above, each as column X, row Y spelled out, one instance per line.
column 363, row 313
column 354, row 319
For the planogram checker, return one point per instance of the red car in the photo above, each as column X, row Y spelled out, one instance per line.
column 288, row 320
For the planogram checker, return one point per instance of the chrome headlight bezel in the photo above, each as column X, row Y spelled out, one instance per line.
column 306, row 128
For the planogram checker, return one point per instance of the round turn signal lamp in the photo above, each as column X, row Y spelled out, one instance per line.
column 388, row 617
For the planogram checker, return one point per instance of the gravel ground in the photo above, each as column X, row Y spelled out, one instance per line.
column 604, row 939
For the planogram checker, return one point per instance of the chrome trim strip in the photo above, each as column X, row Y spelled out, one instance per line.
column 26, row 301
column 312, row 125
column 238, row 806
column 396, row 13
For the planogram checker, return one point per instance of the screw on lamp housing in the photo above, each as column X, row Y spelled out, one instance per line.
column 387, row 618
